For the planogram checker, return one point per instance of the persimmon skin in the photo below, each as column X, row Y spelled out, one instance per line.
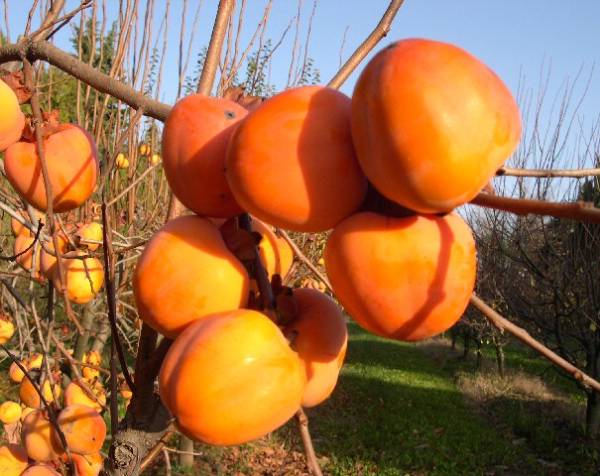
column 194, row 144
column 19, row 229
column 26, row 259
column 431, row 124
column 185, row 273
column 13, row 460
column 321, row 339
column 402, row 278
column 83, row 427
column 85, row 278
column 40, row 438
column 252, row 381
column 76, row 395
column 40, row 470
column 70, row 154
column 291, row 162
column 88, row 465
column 12, row 119
column 275, row 253
column 10, row 412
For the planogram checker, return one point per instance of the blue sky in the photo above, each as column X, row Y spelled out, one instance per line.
column 515, row 38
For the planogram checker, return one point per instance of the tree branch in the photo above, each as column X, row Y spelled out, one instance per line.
column 548, row 173
column 520, row 206
column 504, row 324
column 213, row 54
column 42, row 50
column 380, row 31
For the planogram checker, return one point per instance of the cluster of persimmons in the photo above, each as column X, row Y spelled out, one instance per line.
column 72, row 170
column 427, row 127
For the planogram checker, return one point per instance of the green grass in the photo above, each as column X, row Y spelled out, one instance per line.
column 396, row 412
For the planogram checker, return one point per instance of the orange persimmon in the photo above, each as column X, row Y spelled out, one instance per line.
column 431, row 124
column 320, row 338
column 291, row 162
column 185, row 273
column 13, row 460
column 83, row 427
column 88, row 465
column 403, row 278
column 194, row 144
column 12, row 119
column 252, row 380
column 39, row 437
column 70, row 154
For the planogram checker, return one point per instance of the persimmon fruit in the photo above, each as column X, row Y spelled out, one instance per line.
column 291, row 162
column 20, row 229
column 76, row 395
column 7, row 328
column 320, row 338
column 13, row 460
column 12, row 119
column 431, row 124
column 39, row 437
column 83, row 427
column 85, row 278
column 252, row 381
column 70, row 154
column 10, row 412
column 185, row 273
column 89, row 231
column 403, row 278
column 40, row 470
column 88, row 465
column 194, row 144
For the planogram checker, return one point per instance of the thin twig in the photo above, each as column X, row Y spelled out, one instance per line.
column 309, row 450
column 380, row 31
column 302, row 257
column 42, row 50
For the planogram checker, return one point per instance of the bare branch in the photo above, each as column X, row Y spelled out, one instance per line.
column 548, row 173
column 380, row 31
column 213, row 54
column 309, row 450
column 504, row 324
column 520, row 206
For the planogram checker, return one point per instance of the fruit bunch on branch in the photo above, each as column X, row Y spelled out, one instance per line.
column 227, row 352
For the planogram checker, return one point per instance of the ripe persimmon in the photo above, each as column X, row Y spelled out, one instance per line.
column 83, row 427
column 48, row 261
column 10, row 412
column 40, row 470
column 12, row 119
column 194, row 144
column 29, row 260
column 320, row 337
column 88, row 465
column 291, row 162
column 89, row 231
column 70, row 154
column 252, row 381
column 85, row 278
column 19, row 229
column 75, row 394
column 431, row 124
column 39, row 437
column 403, row 278
column 13, row 460
column 7, row 328
column 185, row 273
